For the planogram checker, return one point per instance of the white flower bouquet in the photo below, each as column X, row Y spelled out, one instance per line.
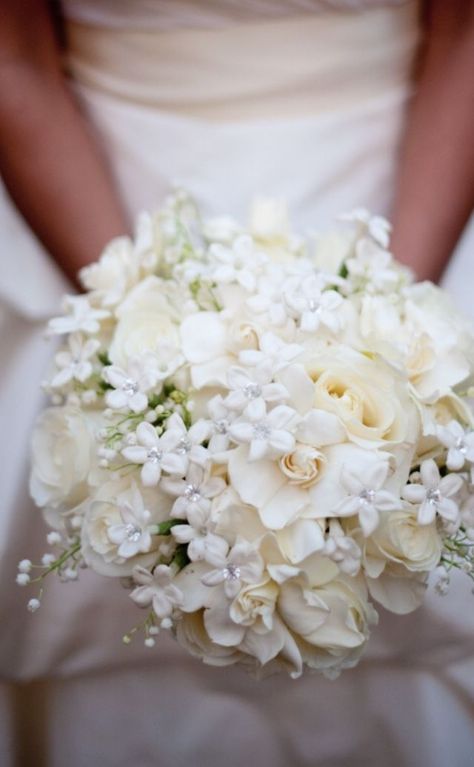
column 262, row 438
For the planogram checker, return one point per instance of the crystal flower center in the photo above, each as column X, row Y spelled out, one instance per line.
column 367, row 496
column 252, row 391
column 231, row 573
column 192, row 493
column 130, row 386
column 154, row 455
column 261, row 431
column 133, row 532
column 221, row 426
column 183, row 446
column 313, row 305
column 433, row 496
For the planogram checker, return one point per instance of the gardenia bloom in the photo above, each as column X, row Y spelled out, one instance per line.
column 267, row 434
column 366, row 497
column 193, row 492
column 155, row 454
column 460, row 445
column 434, row 494
column 81, row 317
column 243, row 565
column 156, row 589
column 134, row 535
column 199, row 534
column 75, row 363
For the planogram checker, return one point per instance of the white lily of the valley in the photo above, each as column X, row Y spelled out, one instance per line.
column 81, row 317
column 157, row 589
column 366, row 496
column 75, row 364
column 199, row 534
column 134, row 535
column 460, row 445
column 252, row 388
column 193, row 492
column 268, row 434
column 434, row 494
column 242, row 565
column 156, row 454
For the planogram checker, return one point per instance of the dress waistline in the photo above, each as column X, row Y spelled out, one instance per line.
column 293, row 67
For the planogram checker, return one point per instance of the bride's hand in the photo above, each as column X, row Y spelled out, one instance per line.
column 49, row 160
column 435, row 193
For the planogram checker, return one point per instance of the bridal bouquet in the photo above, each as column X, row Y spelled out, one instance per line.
column 261, row 438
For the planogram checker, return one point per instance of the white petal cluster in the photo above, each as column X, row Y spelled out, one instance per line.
column 266, row 439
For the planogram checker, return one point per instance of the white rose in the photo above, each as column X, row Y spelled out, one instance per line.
column 372, row 404
column 119, row 515
column 116, row 272
column 304, row 465
column 402, row 539
column 192, row 635
column 330, row 615
column 145, row 319
column 62, row 455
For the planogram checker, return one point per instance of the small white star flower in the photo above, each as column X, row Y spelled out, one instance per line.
column 239, row 262
column 189, row 441
column 243, row 564
column 434, row 494
column 460, row 445
column 131, row 385
column 134, row 534
column 268, row 434
column 250, row 389
column 156, row 454
column 313, row 306
column 157, row 589
column 81, row 317
column 199, row 534
column 194, row 492
column 75, row 364
column 366, row 496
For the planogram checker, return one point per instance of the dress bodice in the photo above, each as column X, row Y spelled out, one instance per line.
column 166, row 15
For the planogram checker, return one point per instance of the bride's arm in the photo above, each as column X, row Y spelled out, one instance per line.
column 49, row 160
column 436, row 182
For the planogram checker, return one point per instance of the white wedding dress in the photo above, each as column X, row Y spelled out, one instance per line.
column 301, row 99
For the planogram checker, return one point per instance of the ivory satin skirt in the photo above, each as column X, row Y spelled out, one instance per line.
column 311, row 110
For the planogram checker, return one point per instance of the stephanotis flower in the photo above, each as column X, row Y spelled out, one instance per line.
column 156, row 454
column 81, row 317
column 134, row 534
column 242, row 565
column 313, row 306
column 273, row 353
column 157, row 589
column 366, row 496
column 460, row 445
column 132, row 385
column 198, row 533
column 238, row 263
column 75, row 364
column 376, row 227
column 250, row 389
column 267, row 434
column 189, row 441
column 221, row 418
column 434, row 494
column 194, row 492
column 342, row 549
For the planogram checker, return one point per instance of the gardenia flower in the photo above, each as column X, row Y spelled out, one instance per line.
column 268, row 434
column 434, row 494
column 75, row 363
column 156, row 589
column 366, row 497
column 193, row 492
column 203, row 543
column 81, row 317
column 460, row 445
column 155, row 454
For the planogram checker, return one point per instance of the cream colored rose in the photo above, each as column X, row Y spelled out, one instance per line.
column 62, row 455
column 145, row 319
column 329, row 617
column 402, row 539
column 192, row 635
column 304, row 465
column 371, row 403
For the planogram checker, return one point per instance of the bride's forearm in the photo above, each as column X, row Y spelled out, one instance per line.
column 435, row 192
column 49, row 161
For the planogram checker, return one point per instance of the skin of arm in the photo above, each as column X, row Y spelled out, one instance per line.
column 49, row 160
column 435, row 193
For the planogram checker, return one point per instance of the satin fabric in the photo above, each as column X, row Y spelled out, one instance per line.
column 90, row 700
